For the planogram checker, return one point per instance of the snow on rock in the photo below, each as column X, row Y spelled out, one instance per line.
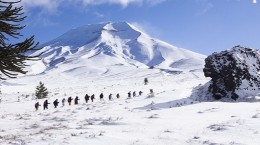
column 234, row 73
column 120, row 41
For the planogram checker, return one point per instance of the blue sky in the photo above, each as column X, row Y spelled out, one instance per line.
column 203, row 26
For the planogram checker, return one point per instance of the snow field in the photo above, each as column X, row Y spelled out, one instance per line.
column 137, row 121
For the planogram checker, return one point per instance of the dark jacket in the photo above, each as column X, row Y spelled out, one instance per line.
column 101, row 96
column 70, row 99
column 92, row 97
column 76, row 101
column 46, row 103
column 87, row 97
column 129, row 94
column 37, row 105
column 55, row 103
column 110, row 97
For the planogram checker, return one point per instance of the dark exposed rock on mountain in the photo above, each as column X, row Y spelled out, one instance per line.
column 235, row 73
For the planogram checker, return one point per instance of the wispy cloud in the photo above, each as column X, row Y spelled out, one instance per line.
column 99, row 15
column 208, row 7
column 147, row 28
column 53, row 5
column 204, row 6
column 49, row 5
column 43, row 20
column 43, row 10
column 124, row 3
column 154, row 2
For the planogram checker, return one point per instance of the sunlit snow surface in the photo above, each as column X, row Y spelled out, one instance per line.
column 171, row 117
column 140, row 120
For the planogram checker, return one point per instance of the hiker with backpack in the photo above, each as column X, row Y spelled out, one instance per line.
column 76, row 101
column 45, row 104
column 37, row 105
column 92, row 98
column 117, row 96
column 87, row 98
column 55, row 103
column 101, row 97
column 151, row 93
column 69, row 100
column 140, row 93
column 134, row 94
column 129, row 94
column 145, row 81
column 63, row 102
column 110, row 97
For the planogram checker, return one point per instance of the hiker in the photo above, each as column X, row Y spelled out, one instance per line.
column 63, row 101
column 151, row 93
column 87, row 98
column 69, row 100
column 134, row 94
column 129, row 94
column 117, row 96
column 101, row 97
column 45, row 104
column 92, row 98
column 37, row 105
column 76, row 101
column 110, row 97
column 145, row 81
column 140, row 93
column 55, row 103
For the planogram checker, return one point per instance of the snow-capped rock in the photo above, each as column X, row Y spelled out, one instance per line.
column 235, row 73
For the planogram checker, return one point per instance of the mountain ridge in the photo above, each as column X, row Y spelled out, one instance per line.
column 122, row 42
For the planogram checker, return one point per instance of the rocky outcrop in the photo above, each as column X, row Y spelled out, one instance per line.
column 235, row 73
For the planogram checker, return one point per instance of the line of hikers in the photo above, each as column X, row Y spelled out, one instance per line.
column 87, row 98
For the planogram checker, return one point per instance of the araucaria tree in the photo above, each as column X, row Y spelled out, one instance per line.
column 13, row 56
column 41, row 91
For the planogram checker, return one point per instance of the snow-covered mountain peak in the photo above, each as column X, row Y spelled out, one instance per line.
column 119, row 43
column 80, row 36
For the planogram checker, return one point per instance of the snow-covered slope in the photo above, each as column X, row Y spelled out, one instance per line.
column 116, row 44
column 140, row 120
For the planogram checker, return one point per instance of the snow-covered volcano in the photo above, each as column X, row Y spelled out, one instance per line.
column 119, row 43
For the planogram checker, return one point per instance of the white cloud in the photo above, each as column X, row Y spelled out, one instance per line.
column 124, row 3
column 53, row 5
column 49, row 5
column 154, row 2
column 121, row 2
